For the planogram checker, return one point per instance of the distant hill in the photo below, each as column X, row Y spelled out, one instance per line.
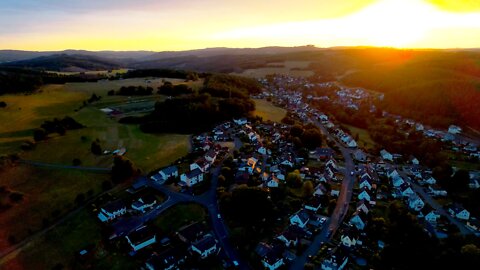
column 65, row 62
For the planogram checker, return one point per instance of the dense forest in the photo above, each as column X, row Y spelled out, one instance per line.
column 222, row 97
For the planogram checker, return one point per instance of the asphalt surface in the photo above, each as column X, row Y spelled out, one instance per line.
column 341, row 208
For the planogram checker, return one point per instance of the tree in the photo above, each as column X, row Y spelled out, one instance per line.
column 3, row 104
column 95, row 148
column 307, row 188
column 76, row 162
column 122, row 169
column 39, row 134
column 312, row 138
column 460, row 181
column 80, row 198
column 294, row 180
column 296, row 131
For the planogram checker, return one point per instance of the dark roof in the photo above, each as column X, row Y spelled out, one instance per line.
column 262, row 249
column 196, row 172
column 169, row 170
column 166, row 259
column 139, row 183
column 114, row 206
column 207, row 242
column 274, row 254
column 141, row 235
column 303, row 215
column 193, row 232
column 314, row 201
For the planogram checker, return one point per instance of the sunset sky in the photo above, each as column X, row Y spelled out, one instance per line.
column 180, row 24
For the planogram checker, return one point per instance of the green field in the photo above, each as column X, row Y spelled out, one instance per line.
column 291, row 68
column 48, row 195
column 59, row 245
column 180, row 215
column 364, row 137
column 268, row 111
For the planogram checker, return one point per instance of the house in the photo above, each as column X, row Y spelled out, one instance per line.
column 165, row 173
column 192, row 178
column 323, row 118
column 300, row 218
column 313, row 204
column 272, row 183
column 112, row 211
column 351, row 143
column 415, row 203
column 414, row 161
column 459, row 212
column 202, row 164
column 392, row 173
column 335, row 192
column 141, row 238
column 321, row 154
column 349, row 237
column 359, row 155
column 192, row 232
column 364, row 195
column 365, row 184
column 474, row 224
column 432, row 217
column 144, row 202
column 363, row 206
column 168, row 260
column 397, row 181
column 331, row 164
column 406, row 190
column 240, row 122
column 320, row 190
column 386, row 155
column 205, row 246
column 358, row 220
column 452, row 129
column 262, row 150
column 337, row 261
column 210, row 156
column 273, row 259
column 291, row 236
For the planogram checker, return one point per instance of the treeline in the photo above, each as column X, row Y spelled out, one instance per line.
column 200, row 111
column 132, row 91
column 169, row 89
column 59, row 126
column 17, row 80
column 165, row 73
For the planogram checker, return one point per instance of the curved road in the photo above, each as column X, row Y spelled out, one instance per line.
column 340, row 210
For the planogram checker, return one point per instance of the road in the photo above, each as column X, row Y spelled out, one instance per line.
column 209, row 200
column 340, row 210
column 434, row 204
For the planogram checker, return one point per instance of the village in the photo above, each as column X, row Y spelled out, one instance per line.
column 316, row 233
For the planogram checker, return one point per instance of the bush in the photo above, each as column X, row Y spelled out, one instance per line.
column 80, row 198
column 3, row 104
column 39, row 134
column 27, row 145
column 76, row 162
column 15, row 197
column 95, row 148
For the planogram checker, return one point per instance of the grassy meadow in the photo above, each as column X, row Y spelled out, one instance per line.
column 268, row 111
column 291, row 68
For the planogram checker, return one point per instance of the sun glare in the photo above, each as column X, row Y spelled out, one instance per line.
column 396, row 23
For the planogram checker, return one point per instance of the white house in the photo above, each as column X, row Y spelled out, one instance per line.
column 141, row 237
column 272, row 183
column 112, row 211
column 240, row 122
column 165, row 173
column 392, row 173
column 365, row 184
column 432, row 217
column 415, row 203
column 313, row 204
column 415, row 161
column 364, row 196
column 143, row 203
column 300, row 218
column 202, row 164
column 192, row 178
column 406, row 190
column 336, row 261
column 272, row 260
column 358, row 220
column 386, row 155
column 210, row 156
column 397, row 181
column 205, row 246
column 459, row 212
column 452, row 129
column 262, row 150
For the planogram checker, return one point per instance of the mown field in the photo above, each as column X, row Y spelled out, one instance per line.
column 268, row 111
column 48, row 194
column 364, row 137
column 291, row 68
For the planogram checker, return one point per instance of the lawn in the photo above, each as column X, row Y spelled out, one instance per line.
column 268, row 111
column 291, row 68
column 180, row 215
column 59, row 244
column 364, row 137
column 48, row 194
column 147, row 151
